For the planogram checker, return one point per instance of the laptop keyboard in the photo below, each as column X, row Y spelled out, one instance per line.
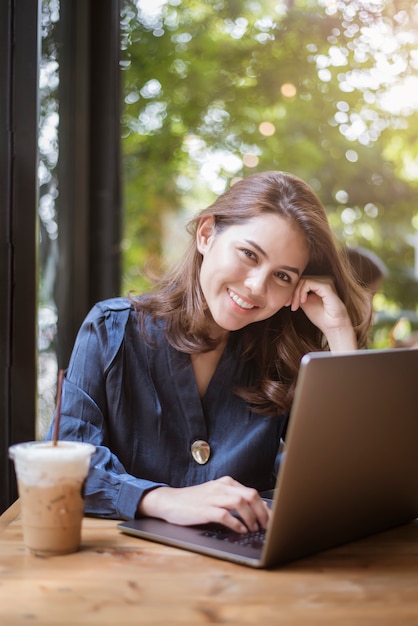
column 251, row 539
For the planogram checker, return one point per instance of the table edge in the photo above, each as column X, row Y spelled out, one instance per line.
column 9, row 515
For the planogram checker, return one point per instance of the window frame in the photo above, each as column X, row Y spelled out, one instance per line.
column 89, row 220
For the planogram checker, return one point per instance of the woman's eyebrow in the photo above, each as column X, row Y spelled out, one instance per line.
column 289, row 268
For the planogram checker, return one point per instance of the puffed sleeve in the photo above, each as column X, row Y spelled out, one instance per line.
column 110, row 490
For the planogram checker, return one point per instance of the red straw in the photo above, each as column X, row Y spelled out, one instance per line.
column 58, row 409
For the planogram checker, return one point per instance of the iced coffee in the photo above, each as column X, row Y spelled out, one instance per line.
column 51, row 483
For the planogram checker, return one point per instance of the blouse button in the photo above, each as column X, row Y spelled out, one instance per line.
column 200, row 451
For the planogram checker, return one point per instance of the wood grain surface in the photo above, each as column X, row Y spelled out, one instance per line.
column 115, row 579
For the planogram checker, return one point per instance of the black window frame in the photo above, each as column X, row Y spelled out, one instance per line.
column 89, row 205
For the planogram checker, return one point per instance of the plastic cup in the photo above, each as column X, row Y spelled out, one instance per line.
column 51, row 482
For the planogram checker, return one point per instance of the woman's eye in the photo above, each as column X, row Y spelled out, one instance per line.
column 283, row 276
column 248, row 253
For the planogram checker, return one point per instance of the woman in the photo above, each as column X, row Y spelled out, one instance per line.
column 186, row 391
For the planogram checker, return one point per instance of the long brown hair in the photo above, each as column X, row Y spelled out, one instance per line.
column 276, row 345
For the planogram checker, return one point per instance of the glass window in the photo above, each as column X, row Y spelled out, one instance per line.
column 48, row 221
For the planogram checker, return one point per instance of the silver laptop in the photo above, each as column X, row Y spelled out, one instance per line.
column 350, row 468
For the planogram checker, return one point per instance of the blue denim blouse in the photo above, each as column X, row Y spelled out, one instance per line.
column 138, row 403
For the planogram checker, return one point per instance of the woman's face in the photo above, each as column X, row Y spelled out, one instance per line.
column 250, row 271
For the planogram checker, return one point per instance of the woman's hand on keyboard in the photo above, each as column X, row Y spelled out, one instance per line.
column 224, row 501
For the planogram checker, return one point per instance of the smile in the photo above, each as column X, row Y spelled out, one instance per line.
column 240, row 302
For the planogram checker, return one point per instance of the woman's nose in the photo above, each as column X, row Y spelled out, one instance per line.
column 256, row 283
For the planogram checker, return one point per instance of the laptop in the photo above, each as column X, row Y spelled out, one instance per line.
column 350, row 467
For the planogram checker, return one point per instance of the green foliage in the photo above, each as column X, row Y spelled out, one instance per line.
column 200, row 79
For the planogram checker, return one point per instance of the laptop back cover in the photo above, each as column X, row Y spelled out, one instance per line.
column 351, row 462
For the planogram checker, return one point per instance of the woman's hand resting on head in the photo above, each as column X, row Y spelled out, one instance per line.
column 212, row 501
column 317, row 298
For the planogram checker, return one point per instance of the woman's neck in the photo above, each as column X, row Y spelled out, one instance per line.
column 205, row 364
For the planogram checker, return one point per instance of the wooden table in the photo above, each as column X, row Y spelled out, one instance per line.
column 115, row 579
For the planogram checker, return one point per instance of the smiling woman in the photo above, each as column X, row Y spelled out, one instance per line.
column 249, row 271
column 185, row 391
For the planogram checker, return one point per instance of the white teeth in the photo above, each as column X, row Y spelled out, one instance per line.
column 240, row 302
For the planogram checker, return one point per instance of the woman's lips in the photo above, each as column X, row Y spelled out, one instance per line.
column 243, row 304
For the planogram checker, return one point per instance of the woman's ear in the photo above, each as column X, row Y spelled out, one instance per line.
column 205, row 233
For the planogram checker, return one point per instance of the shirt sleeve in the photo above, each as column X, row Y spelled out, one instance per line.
column 111, row 491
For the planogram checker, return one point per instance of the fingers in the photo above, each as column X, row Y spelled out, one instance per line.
column 223, row 500
column 317, row 297
column 321, row 303
column 321, row 286
column 241, row 508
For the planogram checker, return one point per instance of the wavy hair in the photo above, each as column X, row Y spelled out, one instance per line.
column 276, row 345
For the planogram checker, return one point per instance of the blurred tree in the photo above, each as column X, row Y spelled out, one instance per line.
column 218, row 89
